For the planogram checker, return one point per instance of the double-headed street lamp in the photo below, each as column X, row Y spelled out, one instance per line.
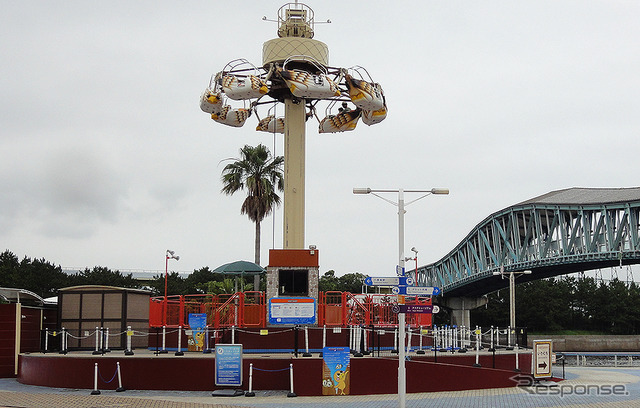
column 169, row 255
column 402, row 372
column 512, row 293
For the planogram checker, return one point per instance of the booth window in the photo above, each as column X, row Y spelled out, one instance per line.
column 293, row 282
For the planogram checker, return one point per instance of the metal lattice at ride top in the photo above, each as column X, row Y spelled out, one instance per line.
column 295, row 71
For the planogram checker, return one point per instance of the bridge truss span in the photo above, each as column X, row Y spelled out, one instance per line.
column 561, row 232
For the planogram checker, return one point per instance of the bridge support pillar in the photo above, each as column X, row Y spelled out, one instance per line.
column 461, row 308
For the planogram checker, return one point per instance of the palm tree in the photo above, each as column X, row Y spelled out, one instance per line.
column 262, row 177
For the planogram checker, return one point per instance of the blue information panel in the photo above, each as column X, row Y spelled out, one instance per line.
column 336, row 373
column 229, row 364
column 293, row 310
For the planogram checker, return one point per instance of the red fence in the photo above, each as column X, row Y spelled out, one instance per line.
column 249, row 309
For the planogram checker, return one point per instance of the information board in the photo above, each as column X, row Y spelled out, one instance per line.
column 336, row 373
column 293, row 310
column 228, row 368
column 197, row 324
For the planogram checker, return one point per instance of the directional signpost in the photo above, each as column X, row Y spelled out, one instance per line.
column 542, row 350
column 416, row 290
column 388, row 281
column 418, row 309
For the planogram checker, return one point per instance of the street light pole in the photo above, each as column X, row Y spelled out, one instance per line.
column 512, row 292
column 169, row 255
column 402, row 371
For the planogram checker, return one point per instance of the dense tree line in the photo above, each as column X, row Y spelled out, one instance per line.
column 547, row 305
column 44, row 278
column 568, row 304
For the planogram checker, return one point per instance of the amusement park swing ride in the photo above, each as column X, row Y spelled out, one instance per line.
column 295, row 71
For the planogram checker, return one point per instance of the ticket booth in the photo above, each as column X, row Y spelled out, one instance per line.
column 293, row 273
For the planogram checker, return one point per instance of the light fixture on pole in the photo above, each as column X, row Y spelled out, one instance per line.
column 512, row 292
column 169, row 255
column 402, row 371
column 414, row 259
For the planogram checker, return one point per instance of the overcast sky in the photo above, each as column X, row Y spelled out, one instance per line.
column 107, row 159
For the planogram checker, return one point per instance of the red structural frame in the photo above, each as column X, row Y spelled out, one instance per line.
column 249, row 310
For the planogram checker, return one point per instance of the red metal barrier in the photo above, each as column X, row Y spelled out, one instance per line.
column 249, row 309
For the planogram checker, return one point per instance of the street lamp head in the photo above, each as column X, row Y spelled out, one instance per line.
column 177, row 257
column 361, row 191
column 439, row 191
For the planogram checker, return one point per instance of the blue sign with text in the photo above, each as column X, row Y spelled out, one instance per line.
column 229, row 364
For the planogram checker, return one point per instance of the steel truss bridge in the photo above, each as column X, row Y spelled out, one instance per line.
column 561, row 232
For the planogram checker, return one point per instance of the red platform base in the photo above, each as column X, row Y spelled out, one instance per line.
column 195, row 372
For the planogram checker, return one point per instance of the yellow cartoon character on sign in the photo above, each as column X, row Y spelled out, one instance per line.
column 340, row 379
column 200, row 341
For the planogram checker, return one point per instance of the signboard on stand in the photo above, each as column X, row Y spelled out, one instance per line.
column 197, row 324
column 541, row 361
column 293, row 310
column 336, row 371
column 228, row 371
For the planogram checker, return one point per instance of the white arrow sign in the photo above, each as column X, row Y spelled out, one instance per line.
column 422, row 290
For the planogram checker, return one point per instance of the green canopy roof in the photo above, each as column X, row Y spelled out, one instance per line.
column 240, row 268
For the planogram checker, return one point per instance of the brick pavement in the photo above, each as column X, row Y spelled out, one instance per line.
column 13, row 394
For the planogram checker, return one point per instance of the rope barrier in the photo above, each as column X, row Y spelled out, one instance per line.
column 271, row 371
column 112, row 378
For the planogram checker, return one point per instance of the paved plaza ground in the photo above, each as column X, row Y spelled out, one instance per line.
column 584, row 387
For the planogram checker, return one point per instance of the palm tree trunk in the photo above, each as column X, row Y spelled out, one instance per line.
column 256, row 278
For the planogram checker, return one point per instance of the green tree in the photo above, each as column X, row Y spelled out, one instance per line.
column 38, row 276
column 328, row 282
column 261, row 175
column 351, row 282
column 197, row 282
column 227, row 285
column 100, row 275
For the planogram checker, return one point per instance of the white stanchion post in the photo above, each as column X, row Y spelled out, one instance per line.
column 351, row 339
column 64, row 341
column 250, row 393
column 517, row 359
column 436, row 337
column 179, row 352
column 421, row 351
column 291, row 393
column 395, row 341
column 129, row 351
column 306, row 342
column 497, row 337
column 409, row 341
column 120, row 387
column 364, row 333
column 491, row 334
column 233, row 334
column 97, row 350
column 509, row 336
column 206, row 350
column 46, row 340
column 95, row 380
column 164, row 340
column 106, row 340
column 478, row 336
column 324, row 336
